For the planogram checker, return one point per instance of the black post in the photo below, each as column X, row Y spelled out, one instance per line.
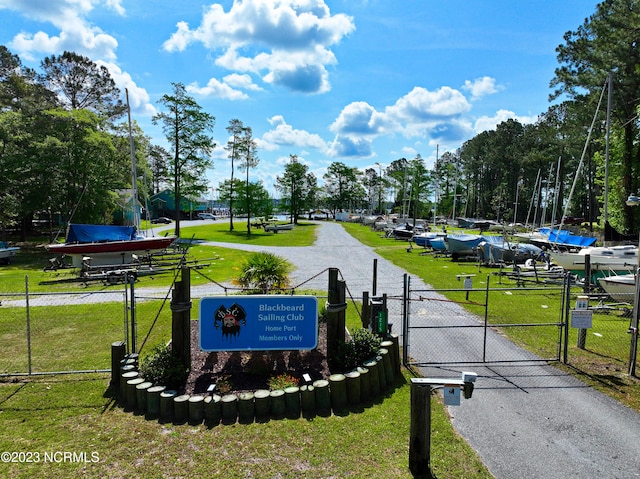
column 375, row 277
column 335, row 315
column 132, row 281
column 181, row 318
column 420, row 431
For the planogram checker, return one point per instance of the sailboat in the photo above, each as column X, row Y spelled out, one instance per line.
column 101, row 245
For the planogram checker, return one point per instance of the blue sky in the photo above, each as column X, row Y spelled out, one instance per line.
column 356, row 81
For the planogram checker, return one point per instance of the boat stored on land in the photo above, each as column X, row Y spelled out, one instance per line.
column 616, row 259
column 621, row 287
column 497, row 249
column 7, row 252
column 107, row 244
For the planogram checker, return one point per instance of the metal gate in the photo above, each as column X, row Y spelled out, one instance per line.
column 475, row 326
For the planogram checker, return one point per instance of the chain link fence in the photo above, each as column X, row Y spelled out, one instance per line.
column 511, row 324
column 71, row 332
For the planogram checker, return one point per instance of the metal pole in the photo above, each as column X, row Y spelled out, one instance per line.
column 375, row 277
column 633, row 329
column 26, row 290
column 132, row 281
column 126, row 318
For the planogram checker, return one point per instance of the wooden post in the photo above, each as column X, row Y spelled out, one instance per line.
column 262, row 407
column 141, row 396
column 582, row 333
column 117, row 355
column 213, row 409
column 166, row 404
column 307, row 400
column 366, row 310
column 338, row 390
column 335, row 316
column 181, row 408
column 354, row 388
column 374, row 377
column 229, row 409
column 323, row 396
column 246, row 407
column 292, row 401
column 181, row 318
column 278, row 404
column 420, row 431
column 196, row 409
column 153, row 401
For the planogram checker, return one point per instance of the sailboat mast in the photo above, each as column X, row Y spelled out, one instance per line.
column 606, row 149
column 134, row 175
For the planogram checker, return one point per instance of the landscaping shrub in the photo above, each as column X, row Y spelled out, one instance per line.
column 282, row 381
column 162, row 367
column 363, row 346
column 265, row 272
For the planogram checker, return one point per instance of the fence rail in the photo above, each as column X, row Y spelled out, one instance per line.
column 467, row 326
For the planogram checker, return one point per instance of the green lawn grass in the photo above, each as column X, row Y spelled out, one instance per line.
column 603, row 364
column 74, row 413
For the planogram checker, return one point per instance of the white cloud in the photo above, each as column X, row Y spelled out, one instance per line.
column 287, row 42
column 437, row 115
column 241, row 81
column 481, row 87
column 76, row 34
column 138, row 97
column 217, row 89
column 486, row 123
column 421, row 105
column 358, row 118
column 285, row 134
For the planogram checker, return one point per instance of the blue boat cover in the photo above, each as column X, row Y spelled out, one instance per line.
column 99, row 233
column 566, row 238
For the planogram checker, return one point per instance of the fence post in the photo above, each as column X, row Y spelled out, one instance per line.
column 26, row 294
column 420, row 431
column 582, row 333
column 405, row 320
column 335, row 315
column 131, row 280
column 181, row 318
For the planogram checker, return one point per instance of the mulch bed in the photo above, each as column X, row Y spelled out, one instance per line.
column 236, row 371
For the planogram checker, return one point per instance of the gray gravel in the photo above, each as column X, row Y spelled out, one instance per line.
column 529, row 421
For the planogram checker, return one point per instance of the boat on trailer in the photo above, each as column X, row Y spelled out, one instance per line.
column 7, row 252
column 621, row 287
column 107, row 244
column 616, row 259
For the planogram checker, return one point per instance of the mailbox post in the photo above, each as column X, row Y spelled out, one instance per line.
column 420, row 431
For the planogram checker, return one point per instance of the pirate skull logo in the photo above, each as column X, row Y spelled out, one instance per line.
column 231, row 319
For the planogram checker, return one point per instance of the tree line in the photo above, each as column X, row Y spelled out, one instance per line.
column 65, row 148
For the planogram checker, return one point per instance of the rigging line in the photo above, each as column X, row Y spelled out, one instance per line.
column 584, row 153
column 164, row 301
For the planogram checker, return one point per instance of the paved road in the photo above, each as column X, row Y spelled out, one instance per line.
column 530, row 420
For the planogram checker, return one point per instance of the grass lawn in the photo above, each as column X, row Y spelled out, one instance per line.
column 48, row 416
column 75, row 413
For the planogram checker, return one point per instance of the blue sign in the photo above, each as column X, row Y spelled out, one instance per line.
column 257, row 323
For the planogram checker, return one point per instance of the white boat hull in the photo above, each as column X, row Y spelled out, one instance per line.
column 618, row 259
column 620, row 287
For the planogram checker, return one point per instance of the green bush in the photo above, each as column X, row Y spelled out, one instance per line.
column 363, row 346
column 264, row 272
column 162, row 367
